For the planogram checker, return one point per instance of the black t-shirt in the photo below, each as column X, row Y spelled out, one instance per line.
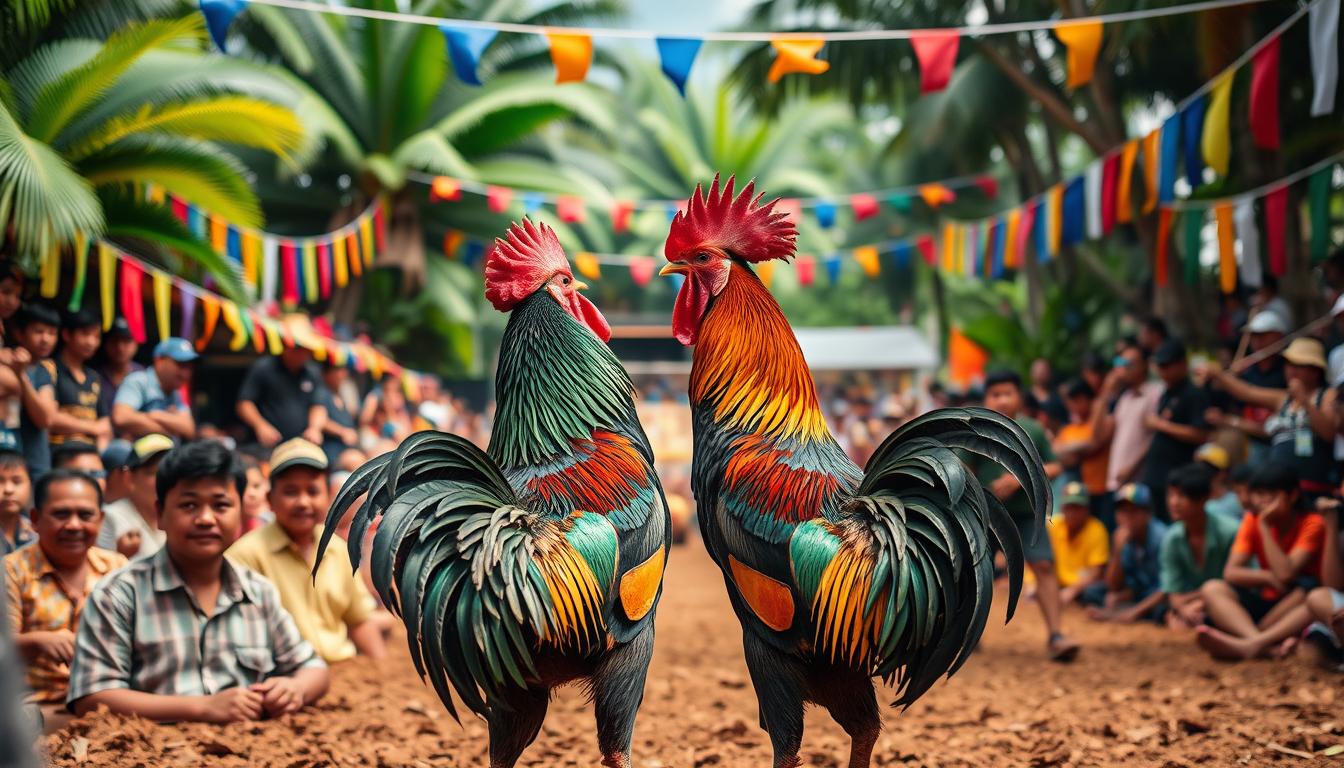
column 1182, row 404
column 80, row 399
column 283, row 398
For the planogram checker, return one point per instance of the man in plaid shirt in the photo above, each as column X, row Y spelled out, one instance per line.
column 186, row 635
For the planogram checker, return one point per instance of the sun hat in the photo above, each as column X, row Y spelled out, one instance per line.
column 1304, row 351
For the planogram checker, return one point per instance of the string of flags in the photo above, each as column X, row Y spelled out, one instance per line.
column 571, row 48
column 284, row 269
column 121, row 280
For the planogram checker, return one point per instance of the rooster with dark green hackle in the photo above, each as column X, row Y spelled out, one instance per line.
column 540, row 561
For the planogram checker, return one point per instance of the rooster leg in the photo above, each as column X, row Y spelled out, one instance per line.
column 618, row 690
column 515, row 725
column 779, row 680
column 850, row 698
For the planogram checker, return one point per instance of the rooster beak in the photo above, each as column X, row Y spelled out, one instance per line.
column 673, row 268
column 579, row 285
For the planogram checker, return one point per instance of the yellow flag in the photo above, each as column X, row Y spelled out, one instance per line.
column 765, row 271
column 338, row 260
column 235, row 324
column 795, row 55
column 571, row 55
column 163, row 302
column 949, row 246
column 219, row 234
column 274, row 345
column 1215, row 143
column 154, row 194
column 51, row 272
column 366, row 239
column 107, row 282
column 587, row 264
column 1083, row 39
column 1227, row 249
column 1151, row 160
column 866, row 255
column 310, row 278
column 1124, row 190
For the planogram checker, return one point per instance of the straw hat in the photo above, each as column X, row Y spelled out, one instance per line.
column 1306, row 352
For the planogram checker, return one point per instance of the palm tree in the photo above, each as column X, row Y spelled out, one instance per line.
column 84, row 125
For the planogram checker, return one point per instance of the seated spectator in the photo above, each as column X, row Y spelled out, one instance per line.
column 47, row 582
column 16, row 531
column 1178, row 423
column 150, row 401
column 117, row 464
column 1287, row 543
column 333, row 609
column 1085, row 457
column 1223, row 498
column 1240, row 479
column 256, row 512
column 38, row 327
column 1081, row 547
column 83, row 458
column 1196, row 547
column 145, row 647
column 117, row 359
column 80, row 415
column 281, row 398
column 351, row 459
column 1325, row 604
column 1133, row 575
column 132, row 523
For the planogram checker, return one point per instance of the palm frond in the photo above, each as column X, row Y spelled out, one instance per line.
column 44, row 200
column 228, row 119
column 430, row 151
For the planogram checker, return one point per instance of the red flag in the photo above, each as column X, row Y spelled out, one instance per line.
column 1110, row 171
column 807, row 269
column 324, row 268
column 1024, row 231
column 926, row 249
column 133, row 299
column 498, row 198
column 289, row 266
column 1164, row 216
column 379, row 226
column 1276, row 220
column 937, row 54
column 570, row 209
column 864, row 205
column 791, row 208
column 445, row 188
column 989, row 185
column 1265, row 96
column 179, row 209
column 641, row 270
column 620, row 215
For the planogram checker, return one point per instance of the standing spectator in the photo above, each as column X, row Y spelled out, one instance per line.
column 1152, row 335
column 1222, row 497
column 150, row 400
column 1084, row 457
column 1267, row 299
column 1003, row 393
column 1119, row 417
column 118, row 359
column 15, row 491
column 38, row 327
column 1048, row 403
column 281, row 398
column 1081, row 547
column 1133, row 575
column 1263, row 331
column 1178, row 425
column 84, row 459
column 47, row 582
column 339, row 432
column 80, row 415
column 1302, row 429
column 1287, row 542
column 1196, row 547
column 132, row 524
column 332, row 608
column 145, row 648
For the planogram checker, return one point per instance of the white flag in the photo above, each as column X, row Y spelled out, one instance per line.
column 270, row 267
column 1092, row 193
column 1243, row 215
column 1324, row 16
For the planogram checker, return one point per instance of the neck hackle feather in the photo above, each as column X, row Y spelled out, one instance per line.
column 740, row 226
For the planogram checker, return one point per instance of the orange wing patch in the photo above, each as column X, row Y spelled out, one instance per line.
column 639, row 585
column 577, row 619
column 844, row 629
column 770, row 599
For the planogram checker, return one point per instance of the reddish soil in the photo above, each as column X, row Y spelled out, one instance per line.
column 1137, row 696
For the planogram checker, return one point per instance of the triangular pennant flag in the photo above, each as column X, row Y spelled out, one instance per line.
column 765, row 272
column 620, row 215
column 233, row 244
column 671, row 210
column 248, row 242
column 133, row 299
column 677, row 54
column 1252, row 273
column 473, row 253
column 936, row 51
column 1227, row 248
column 900, row 201
column 792, row 210
column 235, row 324
column 1192, row 130
column 825, row 213
column 1216, row 142
column 1265, row 96
column 188, row 322
column 966, row 360
column 587, row 264
column 1056, row 199
column 179, row 207
column 339, row 262
column 833, row 266
column 1318, row 209
column 926, row 249
column 641, row 270
column 988, row 185
column 497, row 199
column 1110, row 169
column 311, row 287
column 81, row 272
column 210, row 319
column 445, row 188
column 352, row 251
column 1010, row 244
column 532, row 202
column 863, row 205
column 1276, row 223
column 571, row 54
column 1161, row 273
column 252, row 327
column 1074, row 214
column 570, row 209
column 196, row 222
column 866, row 255
column 1166, row 172
column 107, row 282
column 1151, row 162
column 1092, row 203
column 1324, row 33
column 806, row 266
column 1193, row 222
column 465, row 46
column 999, row 236
column 219, row 234
column 365, row 239
column 900, row 253
column 219, row 14
column 163, row 302
column 1083, row 39
column 50, row 273
column 1024, row 228
column 324, row 270
column 451, row 240
column 936, row 194
column 273, row 343
column 947, row 247
column 796, row 55
column 379, row 226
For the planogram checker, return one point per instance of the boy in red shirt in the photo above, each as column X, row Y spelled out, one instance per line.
column 1275, row 561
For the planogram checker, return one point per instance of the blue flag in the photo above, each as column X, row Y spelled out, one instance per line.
column 532, row 202
column 1192, row 126
column 1074, row 213
column 825, row 211
column 677, row 55
column 1166, row 170
column 465, row 46
column 671, row 210
column 901, row 253
column 219, row 14
column 233, row 244
column 473, row 252
column 833, row 265
column 1000, row 235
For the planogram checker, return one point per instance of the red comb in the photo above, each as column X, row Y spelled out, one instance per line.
column 739, row 226
column 518, row 265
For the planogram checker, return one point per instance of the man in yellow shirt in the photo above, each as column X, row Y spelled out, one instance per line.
column 1081, row 548
column 334, row 612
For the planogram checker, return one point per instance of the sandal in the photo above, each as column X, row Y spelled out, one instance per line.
column 1062, row 649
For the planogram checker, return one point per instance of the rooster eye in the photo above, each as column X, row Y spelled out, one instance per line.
column 702, row 257
column 565, row 280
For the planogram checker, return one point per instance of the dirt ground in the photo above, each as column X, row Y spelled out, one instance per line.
column 1136, row 696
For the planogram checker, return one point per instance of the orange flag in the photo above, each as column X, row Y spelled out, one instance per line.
column 936, row 194
column 587, row 265
column 1083, row 39
column 795, row 55
column 966, row 360
column 1227, row 248
column 211, row 318
column 867, row 257
column 1010, row 255
column 1151, row 159
column 571, row 55
column 765, row 271
column 1124, row 194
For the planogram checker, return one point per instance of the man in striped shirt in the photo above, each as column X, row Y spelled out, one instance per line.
column 186, row 635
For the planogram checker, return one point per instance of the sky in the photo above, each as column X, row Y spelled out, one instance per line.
column 687, row 16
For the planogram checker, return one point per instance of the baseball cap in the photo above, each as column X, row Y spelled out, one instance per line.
column 1171, row 351
column 9, row 442
column 1214, row 455
column 1269, row 321
column 120, row 327
column 176, row 348
column 297, row 453
column 117, row 455
column 148, row 447
column 1134, row 493
column 1075, row 493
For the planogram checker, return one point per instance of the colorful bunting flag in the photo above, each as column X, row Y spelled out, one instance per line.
column 50, row 273
column 1029, row 217
column 792, row 210
column 1166, row 172
column 796, row 55
column 1162, row 247
column 497, row 199
column 765, row 272
column 210, row 319
column 866, row 255
column 620, row 215
column 676, row 55
column 825, row 212
column 570, row 209
column 532, row 202
column 1151, row 163
column 235, row 324
column 107, row 282
column 324, row 270
column 311, row 284
column 641, row 270
column 188, row 322
column 1092, row 203
column 1074, row 215
column 988, row 185
column 1227, row 248
column 352, row 251
column 1192, row 130
column 1276, row 224
column 163, row 301
column 1318, row 209
column 833, row 267
column 1324, row 34
column 1010, row 240
column 936, row 51
column 1110, row 169
column 863, row 205
column 1265, row 96
column 289, row 269
column 452, row 239
column 587, row 265
column 935, row 195
column 1252, row 273
column 571, row 53
column 925, row 245
column 1083, row 40
column 465, row 46
column 339, row 264
column 1216, row 141
column 219, row 14
column 445, row 188
column 806, row 267
column 365, row 239
column 81, row 272
column 132, row 299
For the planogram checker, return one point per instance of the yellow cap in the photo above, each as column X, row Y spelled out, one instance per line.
column 148, row 447
column 1214, row 455
column 297, row 453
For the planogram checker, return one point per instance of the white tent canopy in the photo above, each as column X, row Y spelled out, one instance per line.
column 876, row 348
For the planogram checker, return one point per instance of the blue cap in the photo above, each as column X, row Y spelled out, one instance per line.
column 1136, row 494
column 117, row 455
column 176, row 348
column 9, row 442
